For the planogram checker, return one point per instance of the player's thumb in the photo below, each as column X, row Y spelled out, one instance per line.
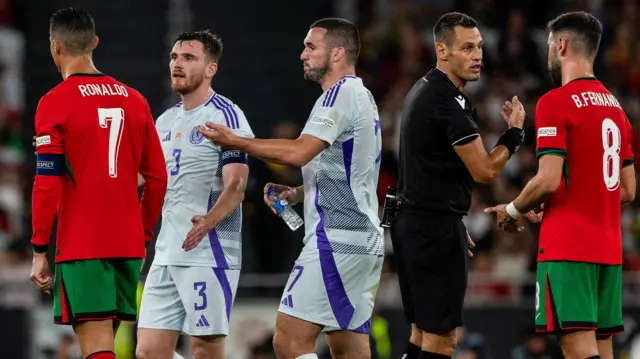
column 488, row 210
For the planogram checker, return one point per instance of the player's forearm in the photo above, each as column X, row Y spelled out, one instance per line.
column 279, row 151
column 533, row 194
column 47, row 191
column 229, row 200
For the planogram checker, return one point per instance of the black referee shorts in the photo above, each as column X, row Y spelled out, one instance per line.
column 431, row 255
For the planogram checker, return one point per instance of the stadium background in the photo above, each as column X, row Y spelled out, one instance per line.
column 261, row 71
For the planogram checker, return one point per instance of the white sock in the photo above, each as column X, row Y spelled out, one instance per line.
column 177, row 356
column 308, row 356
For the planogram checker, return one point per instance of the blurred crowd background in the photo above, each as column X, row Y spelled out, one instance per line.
column 261, row 71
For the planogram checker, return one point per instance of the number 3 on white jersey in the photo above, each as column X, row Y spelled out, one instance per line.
column 116, row 117
column 611, row 154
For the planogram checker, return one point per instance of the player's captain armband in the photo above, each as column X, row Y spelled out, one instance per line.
column 43, row 140
column 547, row 132
column 49, row 165
column 233, row 156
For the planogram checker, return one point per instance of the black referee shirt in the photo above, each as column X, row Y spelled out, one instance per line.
column 436, row 117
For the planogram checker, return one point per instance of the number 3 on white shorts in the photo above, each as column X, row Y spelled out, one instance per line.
column 116, row 117
column 611, row 154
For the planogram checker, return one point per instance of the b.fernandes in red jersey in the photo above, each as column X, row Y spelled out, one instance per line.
column 93, row 136
column 585, row 172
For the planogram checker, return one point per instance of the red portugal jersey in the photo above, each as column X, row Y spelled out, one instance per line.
column 585, row 124
column 94, row 135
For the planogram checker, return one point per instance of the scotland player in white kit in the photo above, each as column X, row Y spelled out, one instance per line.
column 334, row 281
column 192, row 282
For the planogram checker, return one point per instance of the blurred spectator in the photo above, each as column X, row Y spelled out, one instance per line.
column 12, row 177
column 16, row 254
column 12, row 156
column 537, row 346
column 12, row 48
column 472, row 344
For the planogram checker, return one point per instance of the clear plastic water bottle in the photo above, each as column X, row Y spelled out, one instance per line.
column 284, row 210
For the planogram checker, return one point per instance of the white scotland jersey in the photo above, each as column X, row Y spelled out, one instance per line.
column 194, row 291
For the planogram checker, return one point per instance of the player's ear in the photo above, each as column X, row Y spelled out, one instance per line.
column 96, row 40
column 441, row 51
column 212, row 69
column 563, row 45
column 56, row 47
column 337, row 53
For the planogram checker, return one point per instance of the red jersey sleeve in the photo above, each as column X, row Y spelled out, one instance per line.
column 154, row 172
column 47, row 186
column 627, row 148
column 550, row 129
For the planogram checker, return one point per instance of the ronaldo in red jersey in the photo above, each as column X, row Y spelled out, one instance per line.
column 585, row 172
column 93, row 136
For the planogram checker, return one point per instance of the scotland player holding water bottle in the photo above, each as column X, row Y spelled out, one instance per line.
column 192, row 282
column 335, row 278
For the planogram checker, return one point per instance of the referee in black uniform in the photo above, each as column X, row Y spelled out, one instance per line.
column 441, row 156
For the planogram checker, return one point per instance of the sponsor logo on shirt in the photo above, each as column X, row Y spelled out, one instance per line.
column 460, row 100
column 43, row 140
column 547, row 131
column 323, row 121
column 195, row 137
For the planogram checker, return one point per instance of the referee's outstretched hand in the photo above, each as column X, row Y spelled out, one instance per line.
column 513, row 113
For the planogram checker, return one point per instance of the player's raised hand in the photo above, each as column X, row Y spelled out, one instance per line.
column 201, row 226
column 218, row 134
column 513, row 112
column 284, row 192
column 40, row 272
column 505, row 221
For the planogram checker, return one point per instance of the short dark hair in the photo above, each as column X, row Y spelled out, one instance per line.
column 75, row 28
column 342, row 33
column 211, row 42
column 585, row 29
column 443, row 31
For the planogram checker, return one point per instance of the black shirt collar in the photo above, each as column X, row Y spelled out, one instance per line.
column 443, row 75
